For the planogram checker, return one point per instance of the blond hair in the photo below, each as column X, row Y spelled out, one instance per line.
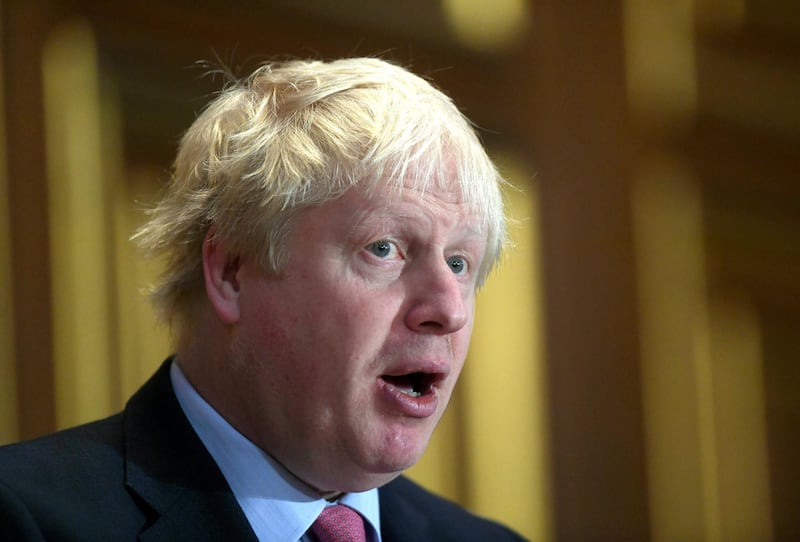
column 301, row 133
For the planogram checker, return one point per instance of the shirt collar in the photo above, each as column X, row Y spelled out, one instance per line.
column 277, row 505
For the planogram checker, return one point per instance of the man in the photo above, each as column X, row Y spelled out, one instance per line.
column 325, row 231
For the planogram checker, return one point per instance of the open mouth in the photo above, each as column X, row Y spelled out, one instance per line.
column 413, row 384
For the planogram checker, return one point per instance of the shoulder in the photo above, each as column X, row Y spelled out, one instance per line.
column 65, row 454
column 66, row 482
column 403, row 501
column 79, row 454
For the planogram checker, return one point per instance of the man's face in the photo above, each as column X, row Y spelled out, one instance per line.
column 346, row 361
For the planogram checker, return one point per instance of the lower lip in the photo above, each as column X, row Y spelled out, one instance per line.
column 423, row 406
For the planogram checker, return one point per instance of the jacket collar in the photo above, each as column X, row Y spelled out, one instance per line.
column 170, row 471
column 401, row 518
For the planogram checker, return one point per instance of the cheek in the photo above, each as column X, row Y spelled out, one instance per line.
column 349, row 313
column 462, row 338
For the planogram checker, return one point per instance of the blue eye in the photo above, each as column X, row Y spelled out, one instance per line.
column 383, row 248
column 458, row 265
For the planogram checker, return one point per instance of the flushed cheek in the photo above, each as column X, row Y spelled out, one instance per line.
column 350, row 318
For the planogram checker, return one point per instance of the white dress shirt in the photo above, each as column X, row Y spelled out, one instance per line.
column 278, row 506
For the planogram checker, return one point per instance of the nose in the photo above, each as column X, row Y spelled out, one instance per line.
column 438, row 303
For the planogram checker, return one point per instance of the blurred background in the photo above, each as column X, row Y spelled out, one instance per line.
column 635, row 371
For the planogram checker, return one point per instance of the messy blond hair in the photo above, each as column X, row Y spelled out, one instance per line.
column 300, row 133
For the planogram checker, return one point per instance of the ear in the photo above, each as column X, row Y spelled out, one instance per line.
column 221, row 270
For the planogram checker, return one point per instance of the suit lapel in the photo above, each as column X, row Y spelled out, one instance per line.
column 401, row 520
column 172, row 474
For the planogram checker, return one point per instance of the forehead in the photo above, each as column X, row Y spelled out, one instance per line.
column 409, row 196
column 440, row 179
column 404, row 205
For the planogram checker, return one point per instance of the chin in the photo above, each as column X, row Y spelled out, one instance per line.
column 400, row 453
column 378, row 470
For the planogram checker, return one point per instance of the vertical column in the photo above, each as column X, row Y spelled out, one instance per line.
column 8, row 374
column 676, row 370
column 582, row 145
column 80, row 227
column 740, row 425
column 24, row 25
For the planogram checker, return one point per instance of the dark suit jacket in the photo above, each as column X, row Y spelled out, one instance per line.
column 144, row 474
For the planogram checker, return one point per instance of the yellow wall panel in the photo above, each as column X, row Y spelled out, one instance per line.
column 8, row 380
column 79, row 226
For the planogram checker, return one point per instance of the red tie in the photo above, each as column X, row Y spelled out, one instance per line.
column 339, row 523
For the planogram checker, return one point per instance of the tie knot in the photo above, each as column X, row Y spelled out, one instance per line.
column 339, row 523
